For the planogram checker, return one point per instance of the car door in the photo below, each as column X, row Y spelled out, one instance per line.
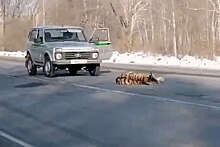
column 31, row 44
column 39, row 45
column 101, row 39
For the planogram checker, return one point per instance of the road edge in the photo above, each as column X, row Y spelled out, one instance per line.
column 146, row 68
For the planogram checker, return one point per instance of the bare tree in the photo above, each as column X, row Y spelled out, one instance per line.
column 130, row 17
column 152, row 20
column 33, row 9
column 174, row 28
column 3, row 5
column 213, row 26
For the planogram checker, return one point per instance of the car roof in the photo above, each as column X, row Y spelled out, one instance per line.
column 57, row 27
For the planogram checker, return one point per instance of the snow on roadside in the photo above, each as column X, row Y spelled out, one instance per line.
column 13, row 54
column 141, row 58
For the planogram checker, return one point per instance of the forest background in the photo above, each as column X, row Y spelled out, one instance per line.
column 167, row 27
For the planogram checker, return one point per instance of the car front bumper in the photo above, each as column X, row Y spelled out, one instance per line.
column 75, row 62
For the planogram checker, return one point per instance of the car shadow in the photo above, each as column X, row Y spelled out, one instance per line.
column 63, row 73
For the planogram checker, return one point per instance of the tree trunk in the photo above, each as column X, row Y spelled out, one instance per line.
column 131, row 32
column 207, row 24
column 164, row 29
column 97, row 14
column 152, row 21
column 218, row 19
column 3, row 25
column 56, row 15
column 44, row 13
column 174, row 29
column 146, row 32
column 85, row 8
column 213, row 34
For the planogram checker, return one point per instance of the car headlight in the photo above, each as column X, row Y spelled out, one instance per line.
column 58, row 49
column 95, row 55
column 59, row 56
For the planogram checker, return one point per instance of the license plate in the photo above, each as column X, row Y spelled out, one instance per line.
column 78, row 61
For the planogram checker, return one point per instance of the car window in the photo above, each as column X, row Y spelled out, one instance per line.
column 32, row 35
column 100, row 35
column 60, row 35
column 40, row 35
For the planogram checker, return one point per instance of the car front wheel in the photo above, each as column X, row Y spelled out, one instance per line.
column 94, row 71
column 49, row 69
column 31, row 68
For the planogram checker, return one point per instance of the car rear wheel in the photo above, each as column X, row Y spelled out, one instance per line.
column 94, row 71
column 31, row 68
column 49, row 69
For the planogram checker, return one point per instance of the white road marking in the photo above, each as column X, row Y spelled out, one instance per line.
column 158, row 98
column 148, row 96
column 15, row 140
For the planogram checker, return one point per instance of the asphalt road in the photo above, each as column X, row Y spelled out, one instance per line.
column 85, row 111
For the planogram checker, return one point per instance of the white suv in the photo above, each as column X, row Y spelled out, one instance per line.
column 65, row 48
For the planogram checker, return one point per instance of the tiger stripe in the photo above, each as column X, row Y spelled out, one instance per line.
column 131, row 78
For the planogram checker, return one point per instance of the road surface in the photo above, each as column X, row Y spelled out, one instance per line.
column 85, row 111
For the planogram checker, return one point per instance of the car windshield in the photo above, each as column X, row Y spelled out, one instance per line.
column 60, row 35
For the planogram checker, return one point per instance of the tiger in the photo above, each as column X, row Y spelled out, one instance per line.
column 132, row 78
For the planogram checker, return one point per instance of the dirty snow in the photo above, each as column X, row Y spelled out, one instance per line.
column 141, row 58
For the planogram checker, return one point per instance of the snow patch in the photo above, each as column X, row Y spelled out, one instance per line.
column 141, row 58
column 13, row 54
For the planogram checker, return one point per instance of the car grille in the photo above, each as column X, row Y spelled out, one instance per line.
column 77, row 55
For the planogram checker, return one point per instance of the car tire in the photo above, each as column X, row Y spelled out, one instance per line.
column 49, row 70
column 31, row 68
column 95, row 71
